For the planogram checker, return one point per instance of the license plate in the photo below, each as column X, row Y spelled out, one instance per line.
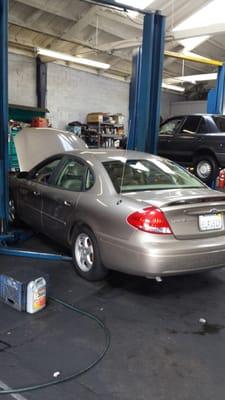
column 210, row 222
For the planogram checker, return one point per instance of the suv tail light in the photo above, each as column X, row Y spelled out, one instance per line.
column 150, row 220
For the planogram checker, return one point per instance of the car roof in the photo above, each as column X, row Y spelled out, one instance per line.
column 205, row 115
column 104, row 155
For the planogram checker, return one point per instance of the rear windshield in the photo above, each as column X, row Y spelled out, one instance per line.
column 220, row 123
column 140, row 175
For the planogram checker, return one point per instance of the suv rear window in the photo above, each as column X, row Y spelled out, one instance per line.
column 141, row 175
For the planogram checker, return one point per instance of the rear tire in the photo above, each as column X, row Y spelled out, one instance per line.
column 86, row 255
column 206, row 168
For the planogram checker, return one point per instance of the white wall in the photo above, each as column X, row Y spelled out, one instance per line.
column 167, row 101
column 72, row 94
column 22, row 84
column 188, row 107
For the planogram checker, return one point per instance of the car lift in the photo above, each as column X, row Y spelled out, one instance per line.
column 144, row 107
column 151, row 74
column 6, row 235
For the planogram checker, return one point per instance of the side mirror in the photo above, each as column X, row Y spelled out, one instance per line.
column 22, row 175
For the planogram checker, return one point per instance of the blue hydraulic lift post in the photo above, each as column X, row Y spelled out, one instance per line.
column 145, row 115
column 216, row 96
column 133, row 97
column 3, row 116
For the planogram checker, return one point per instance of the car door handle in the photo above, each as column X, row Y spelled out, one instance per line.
column 67, row 203
column 36, row 194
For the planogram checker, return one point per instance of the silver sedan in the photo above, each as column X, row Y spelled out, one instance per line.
column 123, row 210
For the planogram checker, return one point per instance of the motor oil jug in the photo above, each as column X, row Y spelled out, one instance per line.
column 36, row 295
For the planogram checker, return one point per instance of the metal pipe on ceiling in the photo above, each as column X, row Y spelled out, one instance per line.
column 193, row 58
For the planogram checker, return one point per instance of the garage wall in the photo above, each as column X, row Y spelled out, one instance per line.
column 73, row 93
column 188, row 107
column 22, row 85
column 167, row 101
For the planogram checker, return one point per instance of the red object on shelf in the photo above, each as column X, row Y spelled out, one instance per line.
column 39, row 122
column 222, row 179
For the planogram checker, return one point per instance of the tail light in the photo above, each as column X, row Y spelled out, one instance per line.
column 150, row 220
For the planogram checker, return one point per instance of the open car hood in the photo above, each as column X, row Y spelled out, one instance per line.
column 33, row 145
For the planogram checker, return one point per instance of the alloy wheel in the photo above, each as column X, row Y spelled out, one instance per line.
column 84, row 252
column 204, row 169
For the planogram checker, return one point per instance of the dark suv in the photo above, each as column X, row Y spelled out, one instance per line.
column 195, row 140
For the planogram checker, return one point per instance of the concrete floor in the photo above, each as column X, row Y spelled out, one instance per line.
column 159, row 349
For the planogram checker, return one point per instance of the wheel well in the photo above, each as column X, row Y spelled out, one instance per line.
column 76, row 225
column 204, row 152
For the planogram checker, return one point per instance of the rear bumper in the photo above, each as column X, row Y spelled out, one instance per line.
column 172, row 257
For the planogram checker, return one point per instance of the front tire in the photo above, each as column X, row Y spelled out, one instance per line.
column 206, row 168
column 13, row 216
column 86, row 255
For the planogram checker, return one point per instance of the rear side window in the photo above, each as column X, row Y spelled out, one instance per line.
column 220, row 123
column 75, row 176
column 191, row 125
column 203, row 128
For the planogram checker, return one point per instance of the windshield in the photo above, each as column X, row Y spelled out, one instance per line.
column 156, row 174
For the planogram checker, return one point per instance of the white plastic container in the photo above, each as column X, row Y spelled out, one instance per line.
column 36, row 295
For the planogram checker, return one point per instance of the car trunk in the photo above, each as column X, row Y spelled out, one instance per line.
column 191, row 213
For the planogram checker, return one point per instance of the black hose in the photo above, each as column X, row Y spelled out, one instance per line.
column 77, row 373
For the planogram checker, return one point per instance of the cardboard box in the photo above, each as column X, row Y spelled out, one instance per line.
column 95, row 118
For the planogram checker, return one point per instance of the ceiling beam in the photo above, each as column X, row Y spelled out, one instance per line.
column 51, row 7
column 26, row 37
column 81, row 24
column 209, row 30
column 124, row 19
column 51, row 40
column 120, row 44
column 36, row 14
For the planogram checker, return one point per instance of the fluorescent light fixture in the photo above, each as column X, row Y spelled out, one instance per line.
column 212, row 13
column 173, row 87
column 77, row 60
column 198, row 78
column 141, row 4
column 192, row 78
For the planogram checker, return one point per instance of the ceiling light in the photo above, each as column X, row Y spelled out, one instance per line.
column 141, row 4
column 173, row 87
column 66, row 57
column 192, row 78
column 199, row 78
